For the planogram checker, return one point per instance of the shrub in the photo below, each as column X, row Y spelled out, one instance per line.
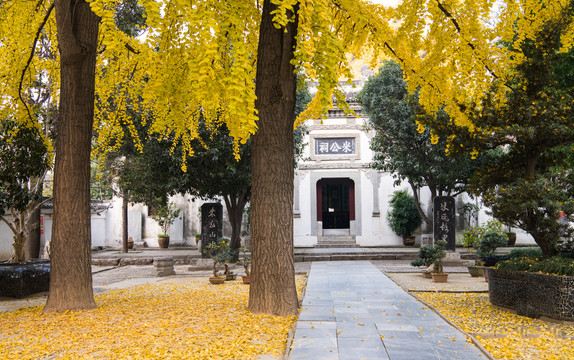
column 490, row 242
column 552, row 266
column 432, row 256
column 531, row 253
column 404, row 217
column 427, row 255
column 472, row 236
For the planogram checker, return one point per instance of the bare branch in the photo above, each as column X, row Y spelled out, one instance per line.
column 38, row 32
column 10, row 225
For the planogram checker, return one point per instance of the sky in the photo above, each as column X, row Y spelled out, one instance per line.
column 386, row 2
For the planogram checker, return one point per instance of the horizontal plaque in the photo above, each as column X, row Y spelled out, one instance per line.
column 335, row 146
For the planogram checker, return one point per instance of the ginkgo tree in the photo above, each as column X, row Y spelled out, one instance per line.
column 236, row 61
column 501, row 70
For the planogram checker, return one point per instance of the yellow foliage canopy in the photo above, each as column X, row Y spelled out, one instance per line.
column 199, row 58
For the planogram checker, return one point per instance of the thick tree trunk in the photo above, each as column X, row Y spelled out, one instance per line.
column 70, row 272
column 272, row 289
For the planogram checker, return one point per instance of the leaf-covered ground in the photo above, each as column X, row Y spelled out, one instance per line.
column 184, row 320
column 503, row 334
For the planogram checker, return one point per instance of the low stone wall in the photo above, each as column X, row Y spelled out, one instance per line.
column 532, row 294
column 21, row 280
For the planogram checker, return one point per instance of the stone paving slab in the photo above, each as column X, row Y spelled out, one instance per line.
column 353, row 311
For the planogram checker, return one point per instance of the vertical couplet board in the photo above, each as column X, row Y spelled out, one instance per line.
column 443, row 224
column 211, row 224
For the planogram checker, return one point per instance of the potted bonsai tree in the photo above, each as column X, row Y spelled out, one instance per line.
column 473, row 237
column 426, row 255
column 488, row 245
column 165, row 216
column 220, row 253
column 245, row 261
column 439, row 254
column 404, row 217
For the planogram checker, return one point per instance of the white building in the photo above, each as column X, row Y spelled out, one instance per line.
column 339, row 199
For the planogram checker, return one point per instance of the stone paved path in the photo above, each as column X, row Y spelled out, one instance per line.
column 353, row 311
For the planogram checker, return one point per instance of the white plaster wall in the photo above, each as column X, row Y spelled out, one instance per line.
column 6, row 240
column 385, row 236
column 302, row 224
column 98, row 229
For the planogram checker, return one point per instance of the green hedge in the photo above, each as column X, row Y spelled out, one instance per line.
column 552, row 266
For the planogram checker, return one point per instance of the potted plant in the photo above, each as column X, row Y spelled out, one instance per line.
column 510, row 235
column 488, row 245
column 404, row 217
column 472, row 238
column 165, row 216
column 426, row 255
column 219, row 252
column 439, row 254
column 197, row 238
column 245, row 261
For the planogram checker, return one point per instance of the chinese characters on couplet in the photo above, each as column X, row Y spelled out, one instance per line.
column 211, row 224
column 444, row 221
column 333, row 146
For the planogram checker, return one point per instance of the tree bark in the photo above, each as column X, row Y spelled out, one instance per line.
column 273, row 289
column 235, row 206
column 70, row 272
column 428, row 221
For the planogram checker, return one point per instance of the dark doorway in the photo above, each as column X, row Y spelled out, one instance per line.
column 335, row 203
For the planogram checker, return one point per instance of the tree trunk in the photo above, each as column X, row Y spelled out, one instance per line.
column 235, row 206
column 70, row 272
column 124, row 223
column 272, row 289
column 34, row 235
column 428, row 221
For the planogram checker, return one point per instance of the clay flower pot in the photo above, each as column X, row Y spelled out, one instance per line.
column 439, row 278
column 216, row 280
column 163, row 241
column 246, row 279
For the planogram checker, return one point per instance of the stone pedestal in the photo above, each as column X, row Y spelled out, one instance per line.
column 453, row 259
column 427, row 240
column 163, row 266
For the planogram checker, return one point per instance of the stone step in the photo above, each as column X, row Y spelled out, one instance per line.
column 340, row 241
column 348, row 238
column 352, row 254
column 336, row 245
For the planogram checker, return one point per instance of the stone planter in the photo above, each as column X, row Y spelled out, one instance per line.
column 216, row 280
column 475, row 271
column 230, row 277
column 511, row 238
column 532, row 294
column 21, row 280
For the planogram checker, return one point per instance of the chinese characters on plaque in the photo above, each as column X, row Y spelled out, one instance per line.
column 211, row 224
column 335, row 146
column 444, row 217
